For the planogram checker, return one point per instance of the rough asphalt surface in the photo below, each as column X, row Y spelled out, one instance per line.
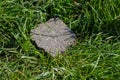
column 53, row 36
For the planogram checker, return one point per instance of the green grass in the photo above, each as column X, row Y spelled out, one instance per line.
column 96, row 55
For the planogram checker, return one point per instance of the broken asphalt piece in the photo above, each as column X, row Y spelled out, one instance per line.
column 53, row 36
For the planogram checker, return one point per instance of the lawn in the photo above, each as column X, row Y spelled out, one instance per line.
column 96, row 55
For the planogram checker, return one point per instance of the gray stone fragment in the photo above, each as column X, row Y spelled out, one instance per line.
column 53, row 36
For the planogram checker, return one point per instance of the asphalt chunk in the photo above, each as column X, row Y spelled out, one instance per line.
column 53, row 36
